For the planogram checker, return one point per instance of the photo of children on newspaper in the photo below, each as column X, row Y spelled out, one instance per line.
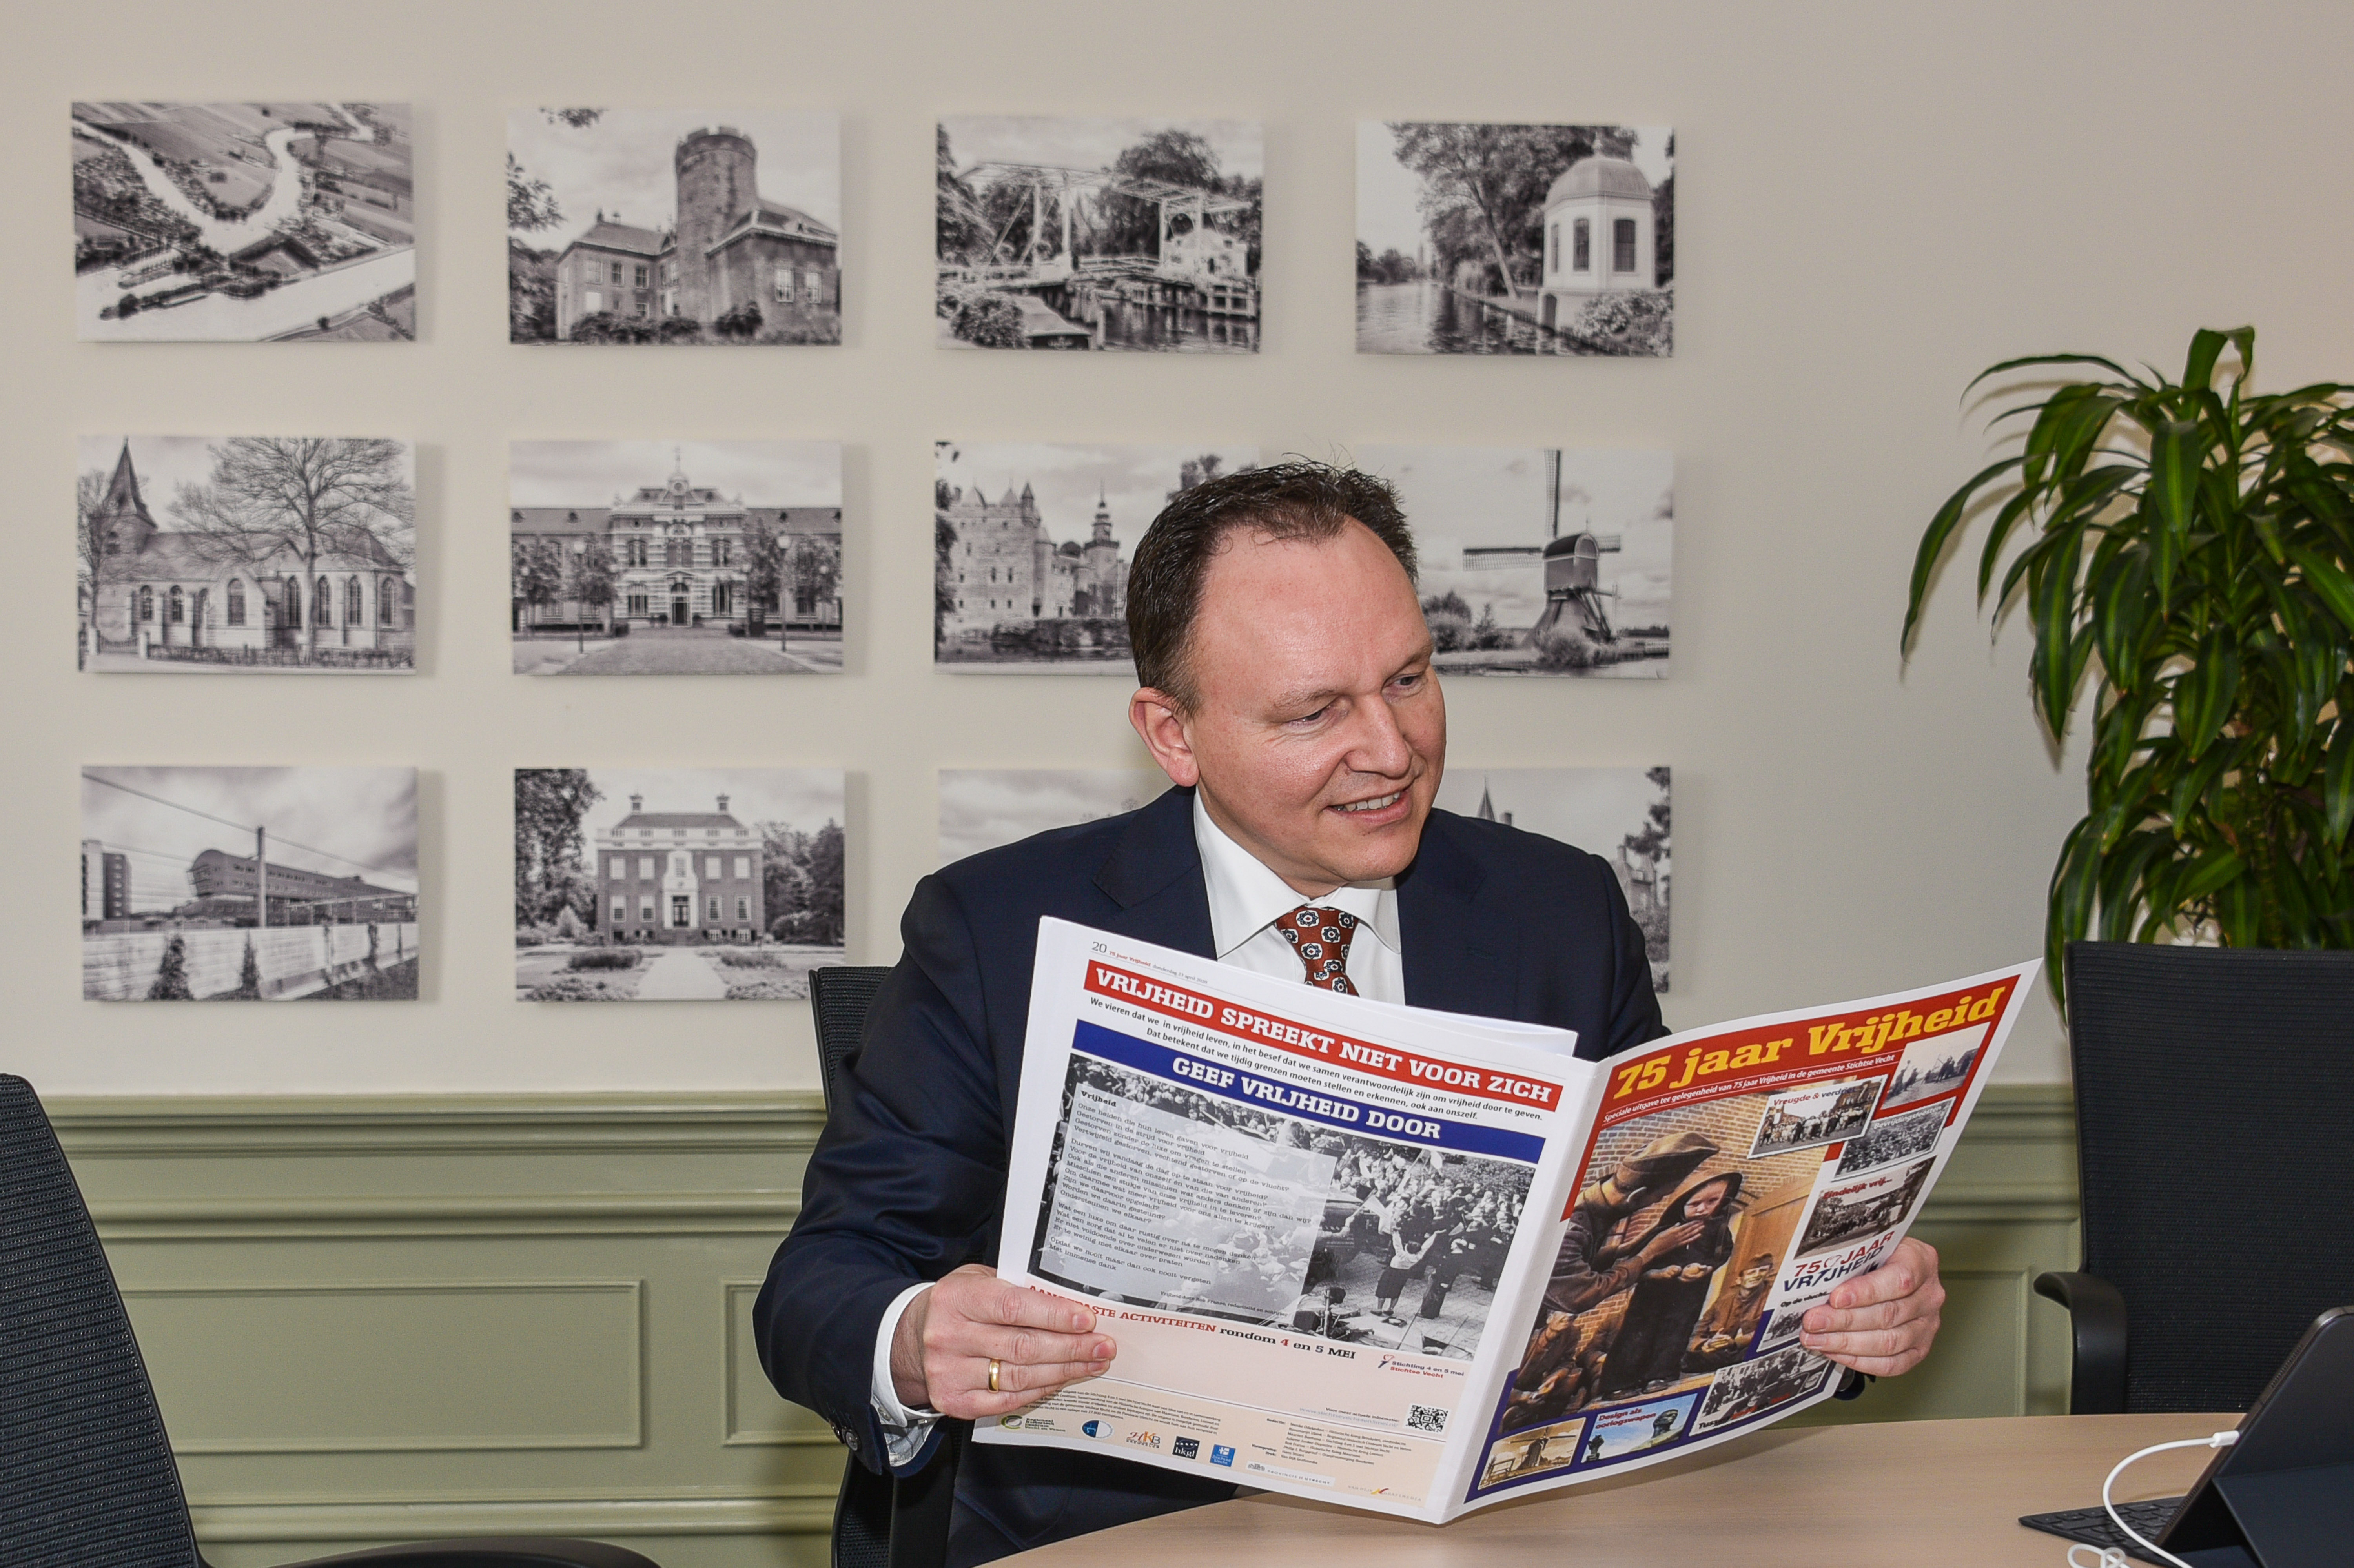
column 1892, row 1139
column 1674, row 1240
column 1760, row 1385
column 1818, row 1114
column 1162, row 1196
column 1866, row 1204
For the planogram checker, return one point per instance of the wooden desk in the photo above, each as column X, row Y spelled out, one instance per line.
column 1900, row 1493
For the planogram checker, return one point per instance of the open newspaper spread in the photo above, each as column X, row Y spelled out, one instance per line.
column 1414, row 1261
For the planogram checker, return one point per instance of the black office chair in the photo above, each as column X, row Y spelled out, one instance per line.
column 87, row 1477
column 879, row 1521
column 2215, row 1142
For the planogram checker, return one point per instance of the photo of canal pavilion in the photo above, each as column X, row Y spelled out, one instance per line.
column 1482, row 239
column 1537, row 561
column 243, row 222
column 1135, row 235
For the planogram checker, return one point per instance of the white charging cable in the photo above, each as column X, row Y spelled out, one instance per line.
column 2110, row 1557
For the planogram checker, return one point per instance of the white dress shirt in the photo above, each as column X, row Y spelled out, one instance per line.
column 1246, row 901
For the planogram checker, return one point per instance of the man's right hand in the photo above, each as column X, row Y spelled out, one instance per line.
column 948, row 1336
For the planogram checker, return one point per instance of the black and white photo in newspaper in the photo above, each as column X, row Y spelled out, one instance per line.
column 1299, row 1215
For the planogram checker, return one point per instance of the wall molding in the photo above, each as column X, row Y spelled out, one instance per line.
column 308, row 1195
column 160, row 1126
column 803, row 1510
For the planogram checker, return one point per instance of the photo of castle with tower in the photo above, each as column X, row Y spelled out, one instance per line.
column 1016, row 584
column 730, row 235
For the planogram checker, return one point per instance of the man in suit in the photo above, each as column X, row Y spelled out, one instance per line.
column 1286, row 690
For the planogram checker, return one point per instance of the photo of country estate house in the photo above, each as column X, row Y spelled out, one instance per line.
column 241, row 222
column 676, row 884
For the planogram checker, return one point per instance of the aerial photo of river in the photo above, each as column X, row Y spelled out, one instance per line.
column 308, row 296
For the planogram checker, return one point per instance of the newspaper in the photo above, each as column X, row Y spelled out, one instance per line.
column 1382, row 1256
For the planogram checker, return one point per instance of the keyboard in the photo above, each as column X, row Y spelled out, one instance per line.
column 2094, row 1526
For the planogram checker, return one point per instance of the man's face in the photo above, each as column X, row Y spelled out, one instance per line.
column 1318, row 734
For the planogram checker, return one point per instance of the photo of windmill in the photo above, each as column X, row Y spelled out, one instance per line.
column 1098, row 234
column 1540, row 561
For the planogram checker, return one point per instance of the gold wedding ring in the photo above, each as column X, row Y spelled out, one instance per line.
column 993, row 1370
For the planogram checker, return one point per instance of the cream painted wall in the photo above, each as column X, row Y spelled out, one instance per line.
column 1874, row 201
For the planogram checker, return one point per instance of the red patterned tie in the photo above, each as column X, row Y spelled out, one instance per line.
column 1320, row 936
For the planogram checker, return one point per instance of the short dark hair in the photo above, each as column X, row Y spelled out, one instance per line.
column 1293, row 500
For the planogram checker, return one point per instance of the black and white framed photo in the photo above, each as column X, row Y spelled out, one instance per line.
column 1498, row 238
column 986, row 807
column 673, row 225
column 1539, row 561
column 676, row 884
column 674, row 557
column 243, row 222
column 1031, row 547
column 1623, row 814
column 249, row 883
column 206, row 554
column 1121, row 235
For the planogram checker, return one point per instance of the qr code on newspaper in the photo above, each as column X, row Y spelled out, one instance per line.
column 1424, row 1419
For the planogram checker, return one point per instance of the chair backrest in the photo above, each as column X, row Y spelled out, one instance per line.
column 87, row 1477
column 839, row 997
column 2215, row 1140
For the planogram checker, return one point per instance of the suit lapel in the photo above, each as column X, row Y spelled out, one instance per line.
column 1459, row 955
column 1155, row 875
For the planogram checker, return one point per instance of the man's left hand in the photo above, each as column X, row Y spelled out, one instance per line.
column 1881, row 1322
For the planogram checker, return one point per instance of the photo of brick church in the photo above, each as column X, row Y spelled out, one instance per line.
column 206, row 554
column 653, row 225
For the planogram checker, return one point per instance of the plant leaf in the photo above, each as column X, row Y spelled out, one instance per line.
column 2338, row 780
column 2175, row 450
column 2203, row 693
column 2329, row 584
column 1933, row 543
column 2206, row 347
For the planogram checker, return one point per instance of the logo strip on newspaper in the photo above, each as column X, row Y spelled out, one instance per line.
column 1308, row 1105
column 1372, row 1061
column 1831, row 1046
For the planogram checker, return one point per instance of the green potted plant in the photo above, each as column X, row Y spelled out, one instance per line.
column 2188, row 547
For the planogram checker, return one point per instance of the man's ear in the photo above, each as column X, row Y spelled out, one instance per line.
column 1163, row 730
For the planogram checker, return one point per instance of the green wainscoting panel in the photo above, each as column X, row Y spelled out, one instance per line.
column 437, row 1367
column 386, row 1318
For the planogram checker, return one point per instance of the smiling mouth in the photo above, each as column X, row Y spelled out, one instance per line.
column 1379, row 803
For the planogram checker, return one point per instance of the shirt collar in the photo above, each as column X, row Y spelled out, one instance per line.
column 1245, row 898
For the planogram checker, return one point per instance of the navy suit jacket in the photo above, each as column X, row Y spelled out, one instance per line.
column 908, row 1178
